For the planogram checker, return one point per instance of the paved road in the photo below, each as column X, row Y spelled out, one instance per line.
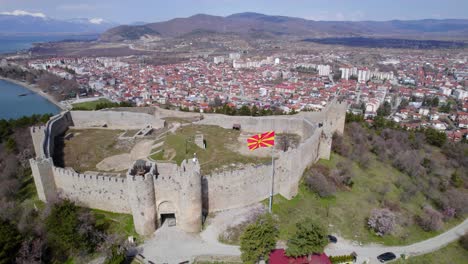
column 370, row 252
column 171, row 245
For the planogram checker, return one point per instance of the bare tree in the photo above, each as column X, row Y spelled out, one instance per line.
column 382, row 221
column 430, row 220
column 458, row 200
column 318, row 183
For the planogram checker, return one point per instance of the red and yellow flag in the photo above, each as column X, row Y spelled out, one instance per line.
column 264, row 140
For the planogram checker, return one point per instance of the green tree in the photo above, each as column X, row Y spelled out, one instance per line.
column 310, row 237
column 254, row 111
column 385, row 109
column 117, row 255
column 11, row 145
column 258, row 240
column 10, row 242
column 379, row 122
column 456, row 180
column 244, row 111
column 350, row 117
column 403, row 104
column 68, row 232
column 435, row 137
column 446, row 108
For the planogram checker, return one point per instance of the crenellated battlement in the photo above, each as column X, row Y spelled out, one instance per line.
column 152, row 191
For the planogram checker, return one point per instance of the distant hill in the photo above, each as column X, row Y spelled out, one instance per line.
column 20, row 22
column 254, row 23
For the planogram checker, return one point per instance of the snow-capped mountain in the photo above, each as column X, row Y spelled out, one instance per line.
column 22, row 22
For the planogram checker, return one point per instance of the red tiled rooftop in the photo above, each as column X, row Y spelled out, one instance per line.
column 278, row 256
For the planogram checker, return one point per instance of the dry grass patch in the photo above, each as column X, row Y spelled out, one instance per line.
column 86, row 148
column 218, row 153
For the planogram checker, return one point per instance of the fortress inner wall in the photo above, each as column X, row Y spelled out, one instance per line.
column 280, row 124
column 56, row 126
column 114, row 120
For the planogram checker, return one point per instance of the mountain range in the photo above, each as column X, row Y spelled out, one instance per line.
column 22, row 22
column 255, row 24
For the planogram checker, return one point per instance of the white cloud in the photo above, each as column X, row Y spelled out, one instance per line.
column 96, row 21
column 23, row 13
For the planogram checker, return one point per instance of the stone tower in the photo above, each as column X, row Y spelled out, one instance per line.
column 140, row 180
column 190, row 197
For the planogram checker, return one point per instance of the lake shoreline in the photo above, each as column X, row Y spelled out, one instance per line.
column 36, row 90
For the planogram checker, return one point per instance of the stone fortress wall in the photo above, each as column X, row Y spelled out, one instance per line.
column 112, row 119
column 237, row 188
column 180, row 190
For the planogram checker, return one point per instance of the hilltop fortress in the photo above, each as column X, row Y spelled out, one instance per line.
column 153, row 192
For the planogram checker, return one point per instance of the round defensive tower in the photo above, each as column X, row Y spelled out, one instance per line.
column 190, row 198
column 142, row 196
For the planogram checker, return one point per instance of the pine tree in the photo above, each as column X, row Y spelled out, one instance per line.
column 258, row 240
column 310, row 237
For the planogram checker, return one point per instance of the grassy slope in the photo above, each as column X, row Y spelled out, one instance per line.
column 90, row 105
column 180, row 146
column 347, row 212
column 116, row 223
column 451, row 254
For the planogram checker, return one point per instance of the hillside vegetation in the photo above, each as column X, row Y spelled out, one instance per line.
column 393, row 185
column 60, row 232
column 381, row 184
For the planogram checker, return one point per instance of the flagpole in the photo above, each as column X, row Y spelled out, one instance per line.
column 272, row 179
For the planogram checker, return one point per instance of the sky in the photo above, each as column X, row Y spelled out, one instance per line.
column 128, row 11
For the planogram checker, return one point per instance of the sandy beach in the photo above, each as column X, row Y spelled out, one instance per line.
column 36, row 90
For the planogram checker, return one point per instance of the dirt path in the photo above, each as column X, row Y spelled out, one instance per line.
column 171, row 245
column 123, row 161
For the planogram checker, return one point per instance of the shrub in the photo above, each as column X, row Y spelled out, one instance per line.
column 464, row 241
column 458, row 200
column 10, row 242
column 71, row 230
column 345, row 174
column 11, row 145
column 117, row 255
column 339, row 146
column 341, row 259
column 435, row 137
column 448, row 213
column 456, row 180
column 310, row 237
column 382, row 221
column 430, row 220
column 258, row 240
column 318, row 183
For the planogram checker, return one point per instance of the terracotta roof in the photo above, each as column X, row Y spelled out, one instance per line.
column 278, row 256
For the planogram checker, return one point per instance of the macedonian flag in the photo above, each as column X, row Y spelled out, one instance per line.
column 264, row 140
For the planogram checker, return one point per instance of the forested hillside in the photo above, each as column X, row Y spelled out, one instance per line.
column 60, row 232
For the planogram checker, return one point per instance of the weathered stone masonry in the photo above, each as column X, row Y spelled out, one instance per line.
column 180, row 190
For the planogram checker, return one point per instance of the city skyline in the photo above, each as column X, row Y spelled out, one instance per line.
column 155, row 11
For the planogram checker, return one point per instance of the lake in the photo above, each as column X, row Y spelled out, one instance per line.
column 14, row 106
column 11, row 44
